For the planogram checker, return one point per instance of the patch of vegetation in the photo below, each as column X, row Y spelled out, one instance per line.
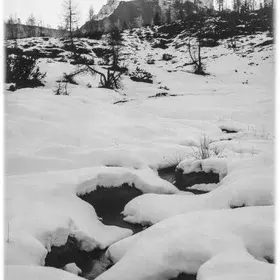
column 150, row 61
column 101, row 52
column 162, row 44
column 61, row 88
column 83, row 60
column 22, row 70
column 140, row 75
column 167, row 56
column 69, row 78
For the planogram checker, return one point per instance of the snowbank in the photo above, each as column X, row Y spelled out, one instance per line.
column 199, row 242
column 249, row 182
column 14, row 272
column 72, row 268
column 214, row 165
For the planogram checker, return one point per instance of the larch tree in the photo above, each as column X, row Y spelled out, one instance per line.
column 70, row 16
column 31, row 23
column 31, row 20
column 91, row 13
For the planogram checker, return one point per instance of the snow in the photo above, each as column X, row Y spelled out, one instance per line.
column 59, row 147
column 72, row 268
column 231, row 125
column 17, row 272
column 145, row 180
column 215, row 165
column 190, row 243
column 249, row 182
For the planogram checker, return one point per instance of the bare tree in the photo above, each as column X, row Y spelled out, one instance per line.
column 41, row 27
column 168, row 16
column 195, row 48
column 70, row 16
column 31, row 20
column 91, row 13
column 12, row 27
column 220, row 5
column 236, row 5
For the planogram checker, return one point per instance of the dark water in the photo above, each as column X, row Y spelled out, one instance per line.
column 184, row 276
column 184, row 181
column 110, row 202
column 59, row 256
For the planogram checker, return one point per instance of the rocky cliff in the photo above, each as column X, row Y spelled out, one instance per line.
column 136, row 13
column 107, row 9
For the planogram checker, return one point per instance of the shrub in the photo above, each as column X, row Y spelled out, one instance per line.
column 167, row 56
column 102, row 52
column 209, row 43
column 111, row 80
column 80, row 59
column 199, row 67
column 61, row 88
column 23, row 71
column 68, row 78
column 162, row 44
column 202, row 151
column 140, row 75
column 97, row 35
column 150, row 61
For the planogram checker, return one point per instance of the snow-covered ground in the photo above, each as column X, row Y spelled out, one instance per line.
column 58, row 147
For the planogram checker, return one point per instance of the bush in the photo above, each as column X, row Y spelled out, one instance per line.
column 209, row 43
column 150, row 61
column 167, row 56
column 61, row 88
column 97, row 35
column 140, row 75
column 82, row 60
column 111, row 80
column 102, row 52
column 162, row 44
column 68, row 78
column 23, row 71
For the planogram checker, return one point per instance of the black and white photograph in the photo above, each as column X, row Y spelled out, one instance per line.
column 139, row 139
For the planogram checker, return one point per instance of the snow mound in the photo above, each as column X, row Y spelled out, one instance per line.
column 19, row 272
column 190, row 243
column 249, row 182
column 215, row 165
column 72, row 268
column 232, row 126
column 145, row 180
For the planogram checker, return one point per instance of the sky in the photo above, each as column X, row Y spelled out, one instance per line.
column 49, row 11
